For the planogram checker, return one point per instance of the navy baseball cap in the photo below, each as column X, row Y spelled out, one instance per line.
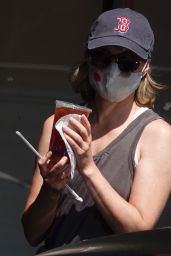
column 123, row 27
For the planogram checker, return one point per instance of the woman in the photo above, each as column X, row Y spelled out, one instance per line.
column 122, row 151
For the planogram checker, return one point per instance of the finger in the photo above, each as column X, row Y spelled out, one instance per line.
column 43, row 164
column 86, row 123
column 60, row 171
column 61, row 164
column 73, row 138
column 79, row 127
column 44, row 159
column 59, row 167
column 78, row 146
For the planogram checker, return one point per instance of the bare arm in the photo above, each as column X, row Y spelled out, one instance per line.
column 42, row 203
column 151, row 186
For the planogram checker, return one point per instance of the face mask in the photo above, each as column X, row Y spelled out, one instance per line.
column 112, row 84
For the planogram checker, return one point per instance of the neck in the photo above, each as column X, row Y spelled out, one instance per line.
column 113, row 114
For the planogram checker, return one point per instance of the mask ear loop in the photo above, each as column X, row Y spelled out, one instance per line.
column 145, row 68
column 116, row 60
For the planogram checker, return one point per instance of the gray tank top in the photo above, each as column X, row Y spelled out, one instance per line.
column 79, row 221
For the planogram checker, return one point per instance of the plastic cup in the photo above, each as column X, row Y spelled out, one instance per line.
column 57, row 145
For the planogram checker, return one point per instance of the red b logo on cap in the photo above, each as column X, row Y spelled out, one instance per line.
column 123, row 24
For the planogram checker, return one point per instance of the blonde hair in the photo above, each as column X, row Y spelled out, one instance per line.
column 145, row 95
column 147, row 91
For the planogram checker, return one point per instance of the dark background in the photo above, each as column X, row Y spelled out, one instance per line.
column 39, row 42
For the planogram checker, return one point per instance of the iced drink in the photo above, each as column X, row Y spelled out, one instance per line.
column 57, row 145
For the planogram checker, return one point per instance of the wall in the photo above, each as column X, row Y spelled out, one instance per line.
column 40, row 41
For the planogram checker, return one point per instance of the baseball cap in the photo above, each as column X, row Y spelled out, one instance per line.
column 123, row 27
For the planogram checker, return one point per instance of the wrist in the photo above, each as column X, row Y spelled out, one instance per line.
column 89, row 172
column 50, row 191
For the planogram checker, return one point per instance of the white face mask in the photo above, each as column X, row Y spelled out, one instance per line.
column 113, row 84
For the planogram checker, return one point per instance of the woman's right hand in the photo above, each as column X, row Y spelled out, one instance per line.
column 56, row 175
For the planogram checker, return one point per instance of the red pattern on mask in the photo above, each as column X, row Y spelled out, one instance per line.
column 96, row 77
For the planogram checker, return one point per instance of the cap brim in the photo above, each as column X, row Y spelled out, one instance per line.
column 118, row 41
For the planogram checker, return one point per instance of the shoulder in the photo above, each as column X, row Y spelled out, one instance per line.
column 156, row 139
column 158, row 128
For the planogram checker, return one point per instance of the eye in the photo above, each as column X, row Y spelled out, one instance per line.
column 128, row 62
column 101, row 59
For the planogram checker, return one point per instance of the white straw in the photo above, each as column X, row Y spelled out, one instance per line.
column 77, row 197
column 74, row 194
column 28, row 144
